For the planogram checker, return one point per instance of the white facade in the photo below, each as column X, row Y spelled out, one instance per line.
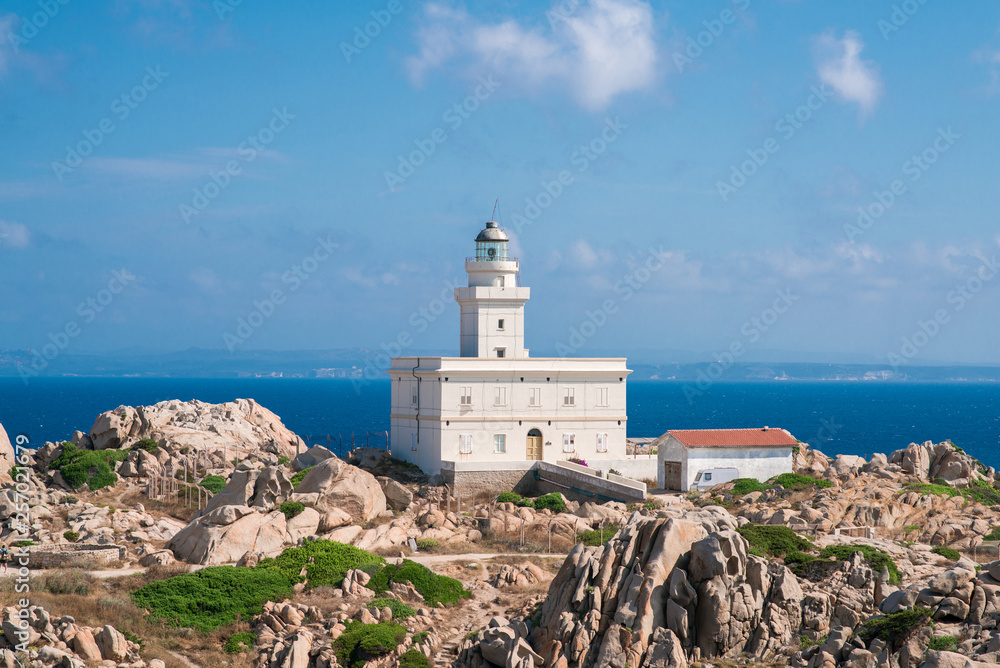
column 495, row 404
column 752, row 460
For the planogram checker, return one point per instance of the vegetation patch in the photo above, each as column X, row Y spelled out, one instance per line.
column 896, row 628
column 283, row 460
column 412, row 658
column 993, row 535
column 213, row 483
column 597, row 537
column 326, row 562
column 797, row 482
column 91, row 467
column 876, row 558
column 297, row 478
column 943, row 643
column 71, row 536
column 212, row 597
column 361, row 643
column 240, row 642
column 436, row 589
column 553, row 502
column 147, row 444
column 774, row 541
column 399, row 609
column 291, row 509
column 980, row 491
column 744, row 486
column 946, row 552
column 421, row 637
column 911, row 528
column 426, row 543
column 24, row 543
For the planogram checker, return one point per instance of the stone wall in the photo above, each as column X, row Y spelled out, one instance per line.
column 472, row 483
column 59, row 556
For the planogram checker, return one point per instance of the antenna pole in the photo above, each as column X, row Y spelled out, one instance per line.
column 494, row 209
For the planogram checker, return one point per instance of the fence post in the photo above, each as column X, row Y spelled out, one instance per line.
column 522, row 532
column 550, row 536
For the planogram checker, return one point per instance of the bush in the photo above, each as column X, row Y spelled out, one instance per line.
column 774, row 541
column 71, row 536
column 70, row 581
column 282, row 460
column 875, row 558
column 297, row 478
column 212, row 597
column 291, row 509
column 910, row 528
column 399, row 609
column 421, row 637
column 426, row 543
column 147, row 444
column 980, row 491
column 896, row 628
column 213, row 483
column 92, row 467
column 24, row 543
column 796, row 559
column 613, row 472
column 578, row 461
column 597, row 537
column 326, row 562
column 797, row 482
column 743, row 486
column 993, row 535
column 240, row 642
column 943, row 643
column 508, row 497
column 436, row 589
column 947, row 552
column 360, row 643
column 553, row 502
column 412, row 658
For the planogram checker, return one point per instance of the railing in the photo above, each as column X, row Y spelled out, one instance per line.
column 493, row 259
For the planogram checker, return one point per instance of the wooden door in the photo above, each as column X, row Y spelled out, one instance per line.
column 672, row 475
column 534, row 449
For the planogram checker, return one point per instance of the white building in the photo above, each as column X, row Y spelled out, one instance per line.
column 756, row 453
column 494, row 411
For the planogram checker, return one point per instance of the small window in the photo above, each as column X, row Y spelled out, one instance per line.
column 500, row 323
column 697, row 477
column 499, row 443
column 465, row 443
column 466, row 396
column 501, row 352
column 535, row 396
column 499, row 396
column 569, row 398
column 602, row 442
column 708, row 476
column 602, row 396
column 569, row 442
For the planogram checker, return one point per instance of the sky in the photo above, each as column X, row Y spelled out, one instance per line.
column 721, row 178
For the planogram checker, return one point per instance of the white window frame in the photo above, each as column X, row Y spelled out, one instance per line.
column 499, row 395
column 465, row 444
column 500, row 324
column 569, row 442
column 602, row 397
column 569, row 397
column 535, row 396
column 466, row 399
column 602, row 442
column 500, row 444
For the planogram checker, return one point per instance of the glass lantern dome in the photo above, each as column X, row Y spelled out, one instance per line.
column 491, row 244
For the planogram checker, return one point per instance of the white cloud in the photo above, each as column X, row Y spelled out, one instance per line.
column 601, row 50
column 839, row 64
column 991, row 59
column 14, row 235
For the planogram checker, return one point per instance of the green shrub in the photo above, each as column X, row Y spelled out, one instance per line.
column 412, row 658
column 24, row 543
column 71, row 536
column 993, row 535
column 291, row 509
column 775, row 541
column 796, row 482
column 421, row 637
column 240, row 642
column 399, row 609
column 297, row 478
column 508, row 497
column 553, row 502
column 896, row 628
column 213, row 483
column 326, row 562
column 282, row 460
column 943, row 643
column 796, row 558
column 131, row 637
column 946, row 552
column 426, row 543
column 212, row 597
column 70, row 581
column 92, row 467
column 980, row 491
column 875, row 558
column 597, row 537
column 910, row 528
column 360, row 643
column 928, row 489
column 147, row 444
column 743, row 486
column 436, row 589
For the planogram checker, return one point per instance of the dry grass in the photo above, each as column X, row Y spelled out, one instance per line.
column 177, row 510
column 93, row 602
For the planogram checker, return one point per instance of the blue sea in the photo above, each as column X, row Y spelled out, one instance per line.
column 836, row 417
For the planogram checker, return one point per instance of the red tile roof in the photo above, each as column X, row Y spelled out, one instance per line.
column 734, row 438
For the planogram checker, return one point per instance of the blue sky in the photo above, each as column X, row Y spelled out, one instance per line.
column 713, row 159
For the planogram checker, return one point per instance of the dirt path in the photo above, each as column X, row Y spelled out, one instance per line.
column 426, row 559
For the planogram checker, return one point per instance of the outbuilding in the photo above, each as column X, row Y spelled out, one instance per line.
column 688, row 458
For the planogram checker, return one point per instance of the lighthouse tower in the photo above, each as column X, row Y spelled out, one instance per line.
column 492, row 306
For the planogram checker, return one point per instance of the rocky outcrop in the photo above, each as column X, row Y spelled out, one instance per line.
column 60, row 641
column 223, row 535
column 334, row 483
column 6, row 456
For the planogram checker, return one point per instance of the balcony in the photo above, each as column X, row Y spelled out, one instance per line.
column 495, row 259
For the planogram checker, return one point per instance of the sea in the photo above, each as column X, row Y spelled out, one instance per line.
column 837, row 417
